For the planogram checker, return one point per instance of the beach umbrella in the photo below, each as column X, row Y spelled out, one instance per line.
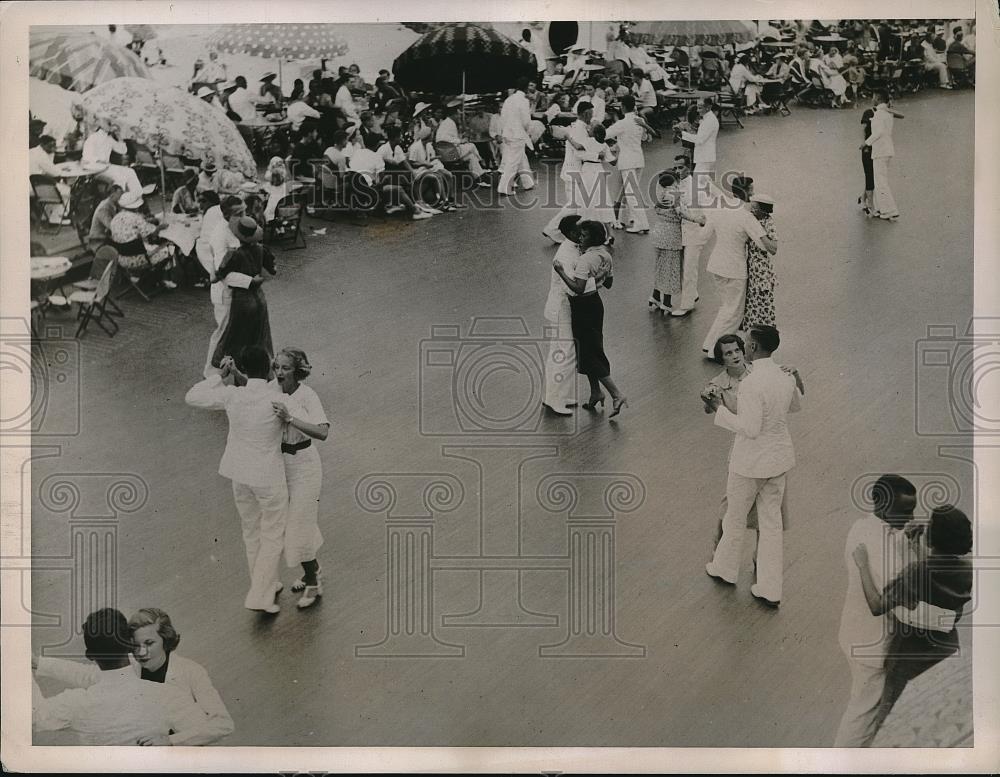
column 166, row 119
column 462, row 58
column 80, row 60
column 280, row 41
column 141, row 32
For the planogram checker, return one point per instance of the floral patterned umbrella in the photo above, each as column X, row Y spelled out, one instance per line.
column 166, row 118
column 80, row 61
column 462, row 58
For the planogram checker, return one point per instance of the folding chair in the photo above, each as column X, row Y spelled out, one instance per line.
column 959, row 70
column 93, row 304
column 137, row 268
column 287, row 223
column 732, row 105
column 102, row 258
column 47, row 195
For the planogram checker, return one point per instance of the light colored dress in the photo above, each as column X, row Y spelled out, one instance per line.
column 304, row 475
column 666, row 239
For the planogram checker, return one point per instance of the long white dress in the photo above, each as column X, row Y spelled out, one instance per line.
column 304, row 474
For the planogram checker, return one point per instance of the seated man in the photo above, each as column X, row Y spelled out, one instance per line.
column 98, row 148
column 307, row 149
column 370, row 167
column 467, row 152
column 645, row 96
column 41, row 162
column 100, row 224
column 299, row 110
column 120, row 708
column 934, row 60
column 959, row 48
column 741, row 78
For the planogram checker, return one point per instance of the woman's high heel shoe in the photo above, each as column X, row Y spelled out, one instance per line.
column 593, row 402
column 617, row 405
column 654, row 304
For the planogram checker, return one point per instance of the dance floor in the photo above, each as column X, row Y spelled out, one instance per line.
column 466, row 641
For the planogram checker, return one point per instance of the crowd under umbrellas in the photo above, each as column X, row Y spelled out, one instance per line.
column 225, row 201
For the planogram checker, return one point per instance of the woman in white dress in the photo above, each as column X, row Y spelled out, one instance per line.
column 303, row 471
column 560, row 362
column 154, row 660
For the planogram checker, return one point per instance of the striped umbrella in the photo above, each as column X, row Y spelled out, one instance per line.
column 462, row 58
column 80, row 60
column 692, row 33
column 166, row 119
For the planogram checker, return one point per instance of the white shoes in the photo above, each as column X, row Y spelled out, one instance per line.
column 636, row 231
column 310, row 594
column 421, row 215
column 755, row 592
column 713, row 572
column 557, row 410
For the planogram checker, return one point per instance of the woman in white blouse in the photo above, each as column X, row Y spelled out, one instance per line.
column 303, row 471
column 153, row 659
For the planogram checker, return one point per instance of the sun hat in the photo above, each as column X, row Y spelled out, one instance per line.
column 246, row 229
column 268, row 77
column 130, row 200
column 420, row 108
column 205, row 91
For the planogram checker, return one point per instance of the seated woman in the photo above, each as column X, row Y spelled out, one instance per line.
column 432, row 183
column 129, row 233
column 371, row 184
column 185, row 198
column 153, row 659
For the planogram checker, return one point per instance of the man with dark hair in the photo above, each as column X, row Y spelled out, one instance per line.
column 761, row 455
column 100, row 222
column 924, row 602
column 863, row 636
column 120, row 708
column 883, row 150
column 253, row 462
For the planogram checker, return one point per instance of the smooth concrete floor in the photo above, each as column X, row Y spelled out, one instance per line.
column 702, row 665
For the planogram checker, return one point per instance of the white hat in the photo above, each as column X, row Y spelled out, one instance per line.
column 268, row 76
column 763, row 199
column 577, row 47
column 205, row 91
column 130, row 200
column 420, row 108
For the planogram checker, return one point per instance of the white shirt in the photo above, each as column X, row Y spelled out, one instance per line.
column 117, row 710
column 221, row 241
column 337, row 157
column 704, row 141
column 184, row 674
column 368, row 163
column 629, row 135
column 40, row 163
column 253, row 448
column 241, row 102
column 571, row 161
column 763, row 446
column 645, row 94
column 733, row 227
column 568, row 254
column 299, row 111
column 312, row 413
column 881, row 138
column 99, row 145
column 515, row 116
column 740, row 76
column 391, row 155
column 447, row 131
column 210, row 73
column 345, row 102
column 863, row 636
column 704, row 195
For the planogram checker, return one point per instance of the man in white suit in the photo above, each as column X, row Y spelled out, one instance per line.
column 253, row 462
column 761, row 456
column 704, row 139
column 880, row 142
column 570, row 174
column 515, row 118
column 629, row 132
column 697, row 192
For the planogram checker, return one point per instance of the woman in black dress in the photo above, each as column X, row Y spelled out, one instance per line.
column 593, row 270
column 248, row 322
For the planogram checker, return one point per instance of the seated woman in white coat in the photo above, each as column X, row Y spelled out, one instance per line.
column 153, row 659
column 98, row 148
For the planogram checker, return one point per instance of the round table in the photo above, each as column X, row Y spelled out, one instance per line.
column 182, row 230
column 695, row 95
column 74, row 170
column 262, row 134
column 778, row 44
column 44, row 270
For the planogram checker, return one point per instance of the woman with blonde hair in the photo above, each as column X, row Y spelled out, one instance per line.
column 153, row 658
column 303, row 471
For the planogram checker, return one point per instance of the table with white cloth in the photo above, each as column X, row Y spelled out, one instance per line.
column 45, row 270
column 182, row 230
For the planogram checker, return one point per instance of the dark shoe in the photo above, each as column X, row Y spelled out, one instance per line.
column 593, row 402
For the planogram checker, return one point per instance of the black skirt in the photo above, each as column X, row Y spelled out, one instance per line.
column 869, row 168
column 587, row 320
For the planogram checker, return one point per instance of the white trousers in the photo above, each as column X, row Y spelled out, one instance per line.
column 560, row 361
column 263, row 511
column 885, row 203
column 470, row 154
column 733, row 298
column 221, row 319
column 859, row 723
column 633, row 210
column 742, row 493
column 941, row 68
column 304, row 475
column 573, row 203
column 690, row 259
column 515, row 167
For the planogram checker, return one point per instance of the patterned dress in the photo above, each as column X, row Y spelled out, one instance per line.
column 761, row 282
column 666, row 238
